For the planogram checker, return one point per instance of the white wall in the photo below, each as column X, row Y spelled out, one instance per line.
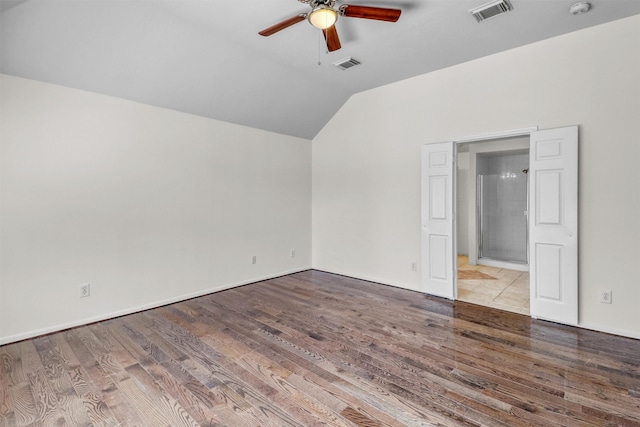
column 145, row 204
column 366, row 161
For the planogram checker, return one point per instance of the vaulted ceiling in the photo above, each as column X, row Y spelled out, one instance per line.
column 205, row 57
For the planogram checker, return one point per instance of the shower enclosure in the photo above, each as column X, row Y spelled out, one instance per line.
column 502, row 207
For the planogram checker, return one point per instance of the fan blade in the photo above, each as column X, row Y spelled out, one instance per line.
column 368, row 12
column 282, row 25
column 331, row 36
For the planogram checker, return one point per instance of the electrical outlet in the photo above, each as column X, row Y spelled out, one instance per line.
column 293, row 253
column 605, row 296
column 254, row 259
column 414, row 266
column 85, row 290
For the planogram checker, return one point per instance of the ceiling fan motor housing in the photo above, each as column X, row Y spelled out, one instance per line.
column 316, row 3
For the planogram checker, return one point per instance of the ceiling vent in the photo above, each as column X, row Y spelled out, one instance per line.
column 491, row 9
column 345, row 64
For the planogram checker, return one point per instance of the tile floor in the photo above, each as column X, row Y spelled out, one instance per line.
column 509, row 292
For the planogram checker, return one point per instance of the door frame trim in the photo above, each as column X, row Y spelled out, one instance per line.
column 489, row 136
column 496, row 135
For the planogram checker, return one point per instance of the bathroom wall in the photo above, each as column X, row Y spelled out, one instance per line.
column 462, row 196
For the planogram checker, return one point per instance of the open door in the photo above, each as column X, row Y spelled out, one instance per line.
column 553, row 225
column 438, row 244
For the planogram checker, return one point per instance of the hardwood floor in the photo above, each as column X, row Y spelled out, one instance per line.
column 315, row 349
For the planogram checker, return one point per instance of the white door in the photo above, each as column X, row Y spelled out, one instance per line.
column 438, row 246
column 553, row 224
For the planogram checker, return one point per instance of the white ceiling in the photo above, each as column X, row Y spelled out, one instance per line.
column 205, row 57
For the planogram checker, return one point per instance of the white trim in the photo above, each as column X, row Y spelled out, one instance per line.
column 39, row 332
column 87, row 321
column 503, row 264
column 378, row 281
column 608, row 330
column 496, row 135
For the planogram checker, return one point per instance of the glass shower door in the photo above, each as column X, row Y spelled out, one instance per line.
column 502, row 208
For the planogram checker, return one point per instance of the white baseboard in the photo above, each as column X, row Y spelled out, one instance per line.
column 131, row 310
column 503, row 264
column 61, row 327
column 369, row 279
column 608, row 330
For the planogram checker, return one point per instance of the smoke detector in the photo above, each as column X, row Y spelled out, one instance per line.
column 580, row 7
column 491, row 9
column 345, row 64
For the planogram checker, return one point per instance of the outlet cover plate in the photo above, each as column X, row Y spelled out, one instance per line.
column 606, row 296
column 85, row 290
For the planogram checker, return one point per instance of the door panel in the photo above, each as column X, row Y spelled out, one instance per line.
column 554, row 225
column 438, row 256
column 549, row 197
column 438, row 197
column 437, row 262
column 549, row 272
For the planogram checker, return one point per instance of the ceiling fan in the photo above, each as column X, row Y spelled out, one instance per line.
column 323, row 16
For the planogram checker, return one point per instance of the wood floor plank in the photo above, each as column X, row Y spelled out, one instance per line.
column 400, row 369
column 268, row 369
column 174, row 381
column 9, row 363
column 99, row 385
column 232, row 391
column 251, row 385
column 62, row 391
column 24, row 406
column 316, row 349
column 91, row 398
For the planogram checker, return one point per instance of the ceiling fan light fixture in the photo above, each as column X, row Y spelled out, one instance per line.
column 323, row 17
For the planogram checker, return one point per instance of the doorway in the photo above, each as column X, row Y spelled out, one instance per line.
column 553, row 220
column 492, row 216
